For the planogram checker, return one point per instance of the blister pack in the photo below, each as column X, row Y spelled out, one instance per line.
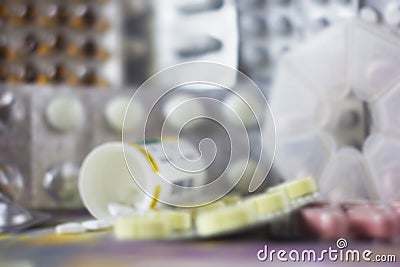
column 57, row 42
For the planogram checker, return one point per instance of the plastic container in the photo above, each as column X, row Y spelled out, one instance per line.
column 385, row 111
column 131, row 175
column 303, row 155
column 381, row 152
column 322, row 99
column 346, row 177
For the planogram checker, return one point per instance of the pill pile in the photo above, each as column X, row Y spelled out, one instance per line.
column 79, row 228
column 230, row 215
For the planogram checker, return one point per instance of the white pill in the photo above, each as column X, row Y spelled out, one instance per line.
column 96, row 225
column 117, row 210
column 198, row 5
column 65, row 113
column 242, row 109
column 392, row 14
column 180, row 110
column 115, row 114
column 70, row 228
column 369, row 14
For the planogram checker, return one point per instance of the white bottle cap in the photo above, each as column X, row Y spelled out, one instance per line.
column 104, row 178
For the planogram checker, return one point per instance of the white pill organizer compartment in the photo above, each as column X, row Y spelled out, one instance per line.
column 334, row 93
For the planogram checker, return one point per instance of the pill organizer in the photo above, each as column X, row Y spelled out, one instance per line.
column 335, row 117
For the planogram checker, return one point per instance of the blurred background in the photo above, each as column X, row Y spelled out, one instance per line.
column 329, row 69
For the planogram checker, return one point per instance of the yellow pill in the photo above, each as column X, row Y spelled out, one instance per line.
column 269, row 202
column 178, row 220
column 148, row 226
column 223, row 219
column 276, row 188
column 300, row 188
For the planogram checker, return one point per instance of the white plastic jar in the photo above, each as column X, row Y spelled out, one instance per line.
column 134, row 175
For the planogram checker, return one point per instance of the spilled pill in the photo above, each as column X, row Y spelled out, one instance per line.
column 96, row 225
column 70, row 228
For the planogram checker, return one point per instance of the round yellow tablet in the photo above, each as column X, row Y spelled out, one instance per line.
column 300, row 188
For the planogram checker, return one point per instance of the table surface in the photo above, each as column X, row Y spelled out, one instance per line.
column 42, row 248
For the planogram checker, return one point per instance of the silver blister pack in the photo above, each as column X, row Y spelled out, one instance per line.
column 58, row 128
column 196, row 30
